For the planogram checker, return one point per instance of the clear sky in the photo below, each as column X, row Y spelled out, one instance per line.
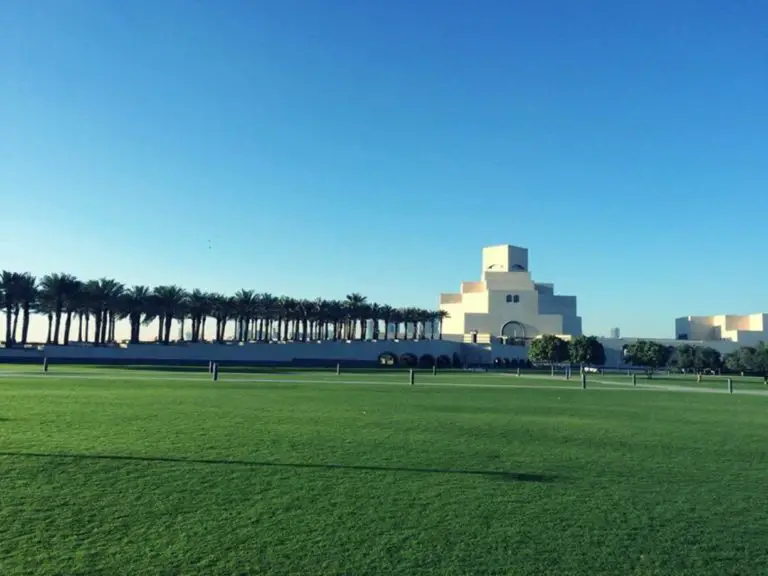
column 318, row 148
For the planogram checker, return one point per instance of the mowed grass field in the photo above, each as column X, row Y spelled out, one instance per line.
column 119, row 471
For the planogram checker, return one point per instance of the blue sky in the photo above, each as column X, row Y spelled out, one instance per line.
column 329, row 147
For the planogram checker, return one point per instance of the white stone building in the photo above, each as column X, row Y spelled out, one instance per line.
column 506, row 303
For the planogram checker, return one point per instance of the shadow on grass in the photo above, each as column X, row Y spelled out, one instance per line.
column 501, row 475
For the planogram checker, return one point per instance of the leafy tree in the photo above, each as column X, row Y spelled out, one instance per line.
column 684, row 358
column 760, row 359
column 648, row 354
column 586, row 350
column 707, row 358
column 548, row 348
column 748, row 359
column 732, row 362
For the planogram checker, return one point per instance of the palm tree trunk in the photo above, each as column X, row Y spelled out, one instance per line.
column 50, row 327
column 58, row 325
column 67, row 327
column 8, row 318
column 160, row 323
column 104, row 322
column 87, row 326
column 25, row 325
column 168, row 323
column 80, row 327
column 15, row 321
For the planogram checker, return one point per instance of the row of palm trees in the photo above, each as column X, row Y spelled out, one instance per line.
column 97, row 305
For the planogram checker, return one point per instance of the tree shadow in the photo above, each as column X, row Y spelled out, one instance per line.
column 498, row 474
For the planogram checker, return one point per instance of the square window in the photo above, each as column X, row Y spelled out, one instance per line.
column 509, row 297
column 516, row 299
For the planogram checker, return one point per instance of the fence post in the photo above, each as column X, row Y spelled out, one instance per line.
column 730, row 385
column 411, row 377
column 210, row 367
column 215, row 371
column 434, row 369
column 338, row 368
column 583, row 380
column 45, row 364
column 634, row 379
column 518, row 371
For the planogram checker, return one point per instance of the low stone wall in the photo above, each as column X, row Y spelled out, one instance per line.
column 309, row 353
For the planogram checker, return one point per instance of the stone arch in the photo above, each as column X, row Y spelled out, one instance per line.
column 387, row 359
column 513, row 331
column 409, row 360
column 426, row 361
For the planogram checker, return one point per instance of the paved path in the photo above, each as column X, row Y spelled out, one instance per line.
column 421, row 380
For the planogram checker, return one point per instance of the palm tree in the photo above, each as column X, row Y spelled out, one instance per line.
column 9, row 292
column 440, row 315
column 385, row 313
column 57, row 289
column 355, row 303
column 245, row 305
column 258, row 317
column 27, row 296
column 134, row 304
column 408, row 317
column 89, row 296
column 104, row 298
column 200, row 307
column 45, row 305
column 170, row 301
column 72, row 298
column 222, row 309
column 304, row 311
column 181, row 314
column 396, row 318
column 285, row 309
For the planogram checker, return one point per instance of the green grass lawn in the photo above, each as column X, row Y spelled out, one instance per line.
column 120, row 472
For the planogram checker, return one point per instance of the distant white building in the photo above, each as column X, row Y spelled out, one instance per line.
column 746, row 330
column 507, row 303
column 615, row 333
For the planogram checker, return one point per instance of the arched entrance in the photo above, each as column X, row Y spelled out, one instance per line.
column 513, row 330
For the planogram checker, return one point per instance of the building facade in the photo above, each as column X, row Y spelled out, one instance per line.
column 747, row 330
column 506, row 304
